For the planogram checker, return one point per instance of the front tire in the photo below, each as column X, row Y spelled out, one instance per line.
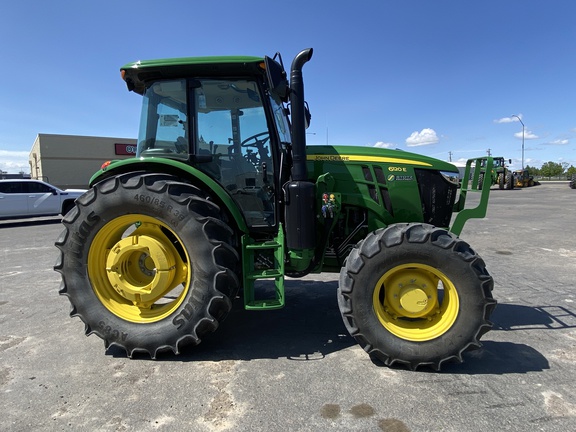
column 509, row 182
column 416, row 295
column 147, row 263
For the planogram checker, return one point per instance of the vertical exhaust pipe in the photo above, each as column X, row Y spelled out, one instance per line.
column 297, row 105
column 300, row 193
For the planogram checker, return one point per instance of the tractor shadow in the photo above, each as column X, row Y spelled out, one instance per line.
column 309, row 327
column 511, row 317
column 497, row 357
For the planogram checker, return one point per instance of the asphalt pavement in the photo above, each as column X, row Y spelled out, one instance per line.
column 297, row 369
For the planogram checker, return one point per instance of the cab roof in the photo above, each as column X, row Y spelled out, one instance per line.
column 138, row 74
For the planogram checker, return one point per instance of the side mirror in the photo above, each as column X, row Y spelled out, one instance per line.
column 307, row 114
column 277, row 78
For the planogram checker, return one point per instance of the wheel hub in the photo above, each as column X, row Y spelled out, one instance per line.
column 140, row 269
column 413, row 300
column 416, row 302
column 411, row 293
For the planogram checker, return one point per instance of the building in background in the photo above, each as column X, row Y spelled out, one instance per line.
column 21, row 175
column 68, row 161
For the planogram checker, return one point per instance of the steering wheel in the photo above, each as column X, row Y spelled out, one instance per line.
column 258, row 143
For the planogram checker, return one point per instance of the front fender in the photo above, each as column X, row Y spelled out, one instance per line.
column 177, row 169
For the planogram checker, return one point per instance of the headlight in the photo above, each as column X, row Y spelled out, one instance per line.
column 451, row 177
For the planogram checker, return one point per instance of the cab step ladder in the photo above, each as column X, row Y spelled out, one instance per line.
column 271, row 269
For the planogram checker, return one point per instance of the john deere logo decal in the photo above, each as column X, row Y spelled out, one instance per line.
column 393, row 177
column 366, row 158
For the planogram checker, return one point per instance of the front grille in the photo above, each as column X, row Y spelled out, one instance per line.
column 437, row 196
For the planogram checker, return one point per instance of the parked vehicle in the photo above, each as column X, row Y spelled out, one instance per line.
column 23, row 198
column 499, row 174
column 522, row 179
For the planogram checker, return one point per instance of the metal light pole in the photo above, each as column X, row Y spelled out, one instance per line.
column 520, row 120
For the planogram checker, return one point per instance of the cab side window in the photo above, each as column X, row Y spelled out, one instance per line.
column 11, row 188
column 34, row 187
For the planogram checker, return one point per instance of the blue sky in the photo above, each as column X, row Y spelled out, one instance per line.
column 437, row 77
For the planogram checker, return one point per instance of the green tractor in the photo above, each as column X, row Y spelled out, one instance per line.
column 499, row 174
column 224, row 200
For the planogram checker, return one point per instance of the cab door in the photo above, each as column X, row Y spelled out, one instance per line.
column 232, row 133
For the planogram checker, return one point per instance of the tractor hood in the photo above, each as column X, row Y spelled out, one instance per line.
column 375, row 155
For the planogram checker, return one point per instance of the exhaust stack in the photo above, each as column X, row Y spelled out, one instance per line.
column 298, row 115
column 299, row 192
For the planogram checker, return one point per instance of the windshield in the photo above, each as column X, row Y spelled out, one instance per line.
column 281, row 121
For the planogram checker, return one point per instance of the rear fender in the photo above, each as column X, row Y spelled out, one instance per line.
column 180, row 170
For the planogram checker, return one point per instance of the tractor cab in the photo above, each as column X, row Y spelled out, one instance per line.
column 229, row 128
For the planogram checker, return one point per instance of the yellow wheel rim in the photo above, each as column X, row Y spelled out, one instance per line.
column 416, row 302
column 137, row 268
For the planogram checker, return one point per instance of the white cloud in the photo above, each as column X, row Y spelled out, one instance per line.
column 529, row 135
column 510, row 119
column 382, row 144
column 558, row 142
column 14, row 161
column 426, row 136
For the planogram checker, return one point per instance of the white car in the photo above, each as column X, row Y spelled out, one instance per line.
column 21, row 198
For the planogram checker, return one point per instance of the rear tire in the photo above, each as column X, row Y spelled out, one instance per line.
column 66, row 207
column 416, row 295
column 147, row 263
column 573, row 182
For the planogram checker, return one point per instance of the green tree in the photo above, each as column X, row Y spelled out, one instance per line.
column 571, row 171
column 533, row 170
column 551, row 169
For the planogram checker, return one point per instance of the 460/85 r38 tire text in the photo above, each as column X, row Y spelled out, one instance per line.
column 147, row 263
column 416, row 295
